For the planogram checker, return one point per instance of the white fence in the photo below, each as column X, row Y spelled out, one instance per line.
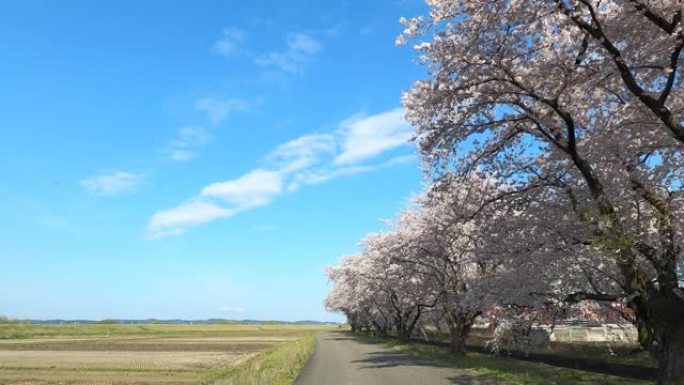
column 603, row 333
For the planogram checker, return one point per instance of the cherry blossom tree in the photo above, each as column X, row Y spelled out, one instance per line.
column 344, row 295
column 432, row 259
column 445, row 235
column 376, row 291
column 577, row 106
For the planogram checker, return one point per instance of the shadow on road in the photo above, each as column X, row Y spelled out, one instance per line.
column 392, row 359
column 388, row 359
column 342, row 336
column 342, row 359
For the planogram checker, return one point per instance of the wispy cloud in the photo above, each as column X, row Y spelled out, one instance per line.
column 191, row 213
column 218, row 200
column 400, row 160
column 336, row 30
column 217, row 110
column 300, row 48
column 307, row 160
column 366, row 137
column 186, row 143
column 253, row 189
column 114, row 183
column 316, row 176
column 231, row 42
column 312, row 177
column 303, row 152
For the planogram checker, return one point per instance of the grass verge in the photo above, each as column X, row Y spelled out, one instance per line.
column 276, row 366
column 507, row 371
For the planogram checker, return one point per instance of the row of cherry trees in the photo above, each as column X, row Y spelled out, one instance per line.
column 430, row 267
column 445, row 260
column 554, row 131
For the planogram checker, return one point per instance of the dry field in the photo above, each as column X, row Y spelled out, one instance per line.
column 133, row 354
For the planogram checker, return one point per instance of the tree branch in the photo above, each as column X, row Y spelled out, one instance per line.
column 583, row 296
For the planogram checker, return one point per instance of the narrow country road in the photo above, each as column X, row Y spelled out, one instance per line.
column 339, row 359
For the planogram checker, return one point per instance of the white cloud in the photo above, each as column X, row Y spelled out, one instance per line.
column 181, row 155
column 336, row 30
column 302, row 152
column 306, row 160
column 218, row 200
column 294, row 59
column 192, row 136
column 230, row 43
column 112, row 183
column 253, row 189
column 188, row 139
column 191, row 213
column 218, row 109
column 303, row 43
column 366, row 137
column 311, row 177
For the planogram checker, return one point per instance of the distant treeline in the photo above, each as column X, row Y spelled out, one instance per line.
column 110, row 321
column 5, row 320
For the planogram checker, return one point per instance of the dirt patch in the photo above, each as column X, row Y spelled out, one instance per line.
column 109, row 360
column 44, row 377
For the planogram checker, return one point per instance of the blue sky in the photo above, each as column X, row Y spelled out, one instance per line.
column 196, row 159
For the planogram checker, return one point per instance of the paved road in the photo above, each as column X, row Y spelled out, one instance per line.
column 342, row 360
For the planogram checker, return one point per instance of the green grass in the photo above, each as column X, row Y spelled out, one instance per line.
column 628, row 355
column 277, row 366
column 17, row 330
column 507, row 371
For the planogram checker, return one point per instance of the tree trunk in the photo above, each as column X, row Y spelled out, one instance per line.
column 458, row 336
column 405, row 323
column 403, row 334
column 459, row 327
column 671, row 360
column 353, row 323
column 457, row 343
column 380, row 330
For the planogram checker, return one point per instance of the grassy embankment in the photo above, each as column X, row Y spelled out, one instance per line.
column 506, row 371
column 278, row 366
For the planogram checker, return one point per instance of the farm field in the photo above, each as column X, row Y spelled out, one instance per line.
column 136, row 354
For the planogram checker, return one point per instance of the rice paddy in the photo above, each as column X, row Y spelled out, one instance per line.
column 135, row 354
